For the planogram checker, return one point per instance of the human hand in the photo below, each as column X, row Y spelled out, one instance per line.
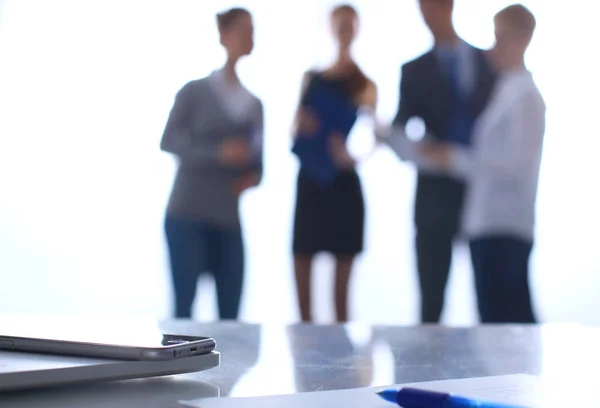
column 245, row 182
column 339, row 153
column 235, row 151
column 306, row 122
column 439, row 153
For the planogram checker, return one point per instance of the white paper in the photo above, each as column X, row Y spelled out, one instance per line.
column 400, row 144
column 406, row 149
column 517, row 389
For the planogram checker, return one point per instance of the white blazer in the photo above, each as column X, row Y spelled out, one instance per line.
column 502, row 167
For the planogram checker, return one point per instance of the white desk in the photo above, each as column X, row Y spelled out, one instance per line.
column 281, row 359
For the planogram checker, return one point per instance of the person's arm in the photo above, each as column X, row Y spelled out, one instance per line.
column 407, row 106
column 257, row 142
column 304, row 120
column 395, row 136
column 523, row 143
column 338, row 146
column 177, row 137
column 407, row 149
column 371, row 97
column 255, row 173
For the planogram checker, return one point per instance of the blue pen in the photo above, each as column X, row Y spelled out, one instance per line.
column 413, row 398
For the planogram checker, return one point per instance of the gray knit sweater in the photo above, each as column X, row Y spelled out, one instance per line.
column 198, row 124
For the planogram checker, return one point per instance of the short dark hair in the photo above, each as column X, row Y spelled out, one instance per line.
column 519, row 17
column 344, row 8
column 442, row 2
column 226, row 18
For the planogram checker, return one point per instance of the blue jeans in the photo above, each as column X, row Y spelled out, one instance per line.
column 501, row 266
column 197, row 247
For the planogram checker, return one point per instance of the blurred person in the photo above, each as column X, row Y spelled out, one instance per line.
column 215, row 129
column 502, row 168
column 447, row 87
column 331, row 218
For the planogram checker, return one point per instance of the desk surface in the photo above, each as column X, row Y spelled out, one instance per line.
column 279, row 359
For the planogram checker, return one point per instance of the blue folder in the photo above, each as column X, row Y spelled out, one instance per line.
column 333, row 112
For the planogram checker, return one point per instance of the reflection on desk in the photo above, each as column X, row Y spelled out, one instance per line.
column 351, row 364
column 150, row 393
column 286, row 359
column 436, row 353
column 238, row 343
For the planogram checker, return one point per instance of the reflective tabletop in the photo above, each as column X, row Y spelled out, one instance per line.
column 281, row 359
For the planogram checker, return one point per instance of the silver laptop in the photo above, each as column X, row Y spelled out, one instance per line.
column 87, row 383
column 21, row 371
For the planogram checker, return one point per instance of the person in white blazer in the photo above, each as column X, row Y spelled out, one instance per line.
column 501, row 168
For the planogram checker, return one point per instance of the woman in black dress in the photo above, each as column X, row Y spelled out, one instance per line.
column 331, row 218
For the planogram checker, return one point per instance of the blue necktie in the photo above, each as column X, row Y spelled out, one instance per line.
column 461, row 122
column 451, row 65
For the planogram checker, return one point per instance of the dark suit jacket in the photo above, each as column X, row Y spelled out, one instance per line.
column 425, row 93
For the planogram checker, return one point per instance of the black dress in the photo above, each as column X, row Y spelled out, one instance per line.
column 329, row 219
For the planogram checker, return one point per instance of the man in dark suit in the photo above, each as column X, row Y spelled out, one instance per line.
column 447, row 87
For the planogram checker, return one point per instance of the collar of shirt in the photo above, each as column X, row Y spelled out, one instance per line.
column 449, row 48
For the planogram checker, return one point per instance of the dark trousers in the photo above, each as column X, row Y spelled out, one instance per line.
column 434, row 257
column 501, row 266
column 197, row 247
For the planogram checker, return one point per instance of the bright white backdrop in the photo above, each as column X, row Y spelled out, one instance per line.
column 85, row 88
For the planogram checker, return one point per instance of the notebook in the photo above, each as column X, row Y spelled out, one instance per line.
column 333, row 112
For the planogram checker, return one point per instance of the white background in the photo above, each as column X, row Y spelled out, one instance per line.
column 85, row 89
